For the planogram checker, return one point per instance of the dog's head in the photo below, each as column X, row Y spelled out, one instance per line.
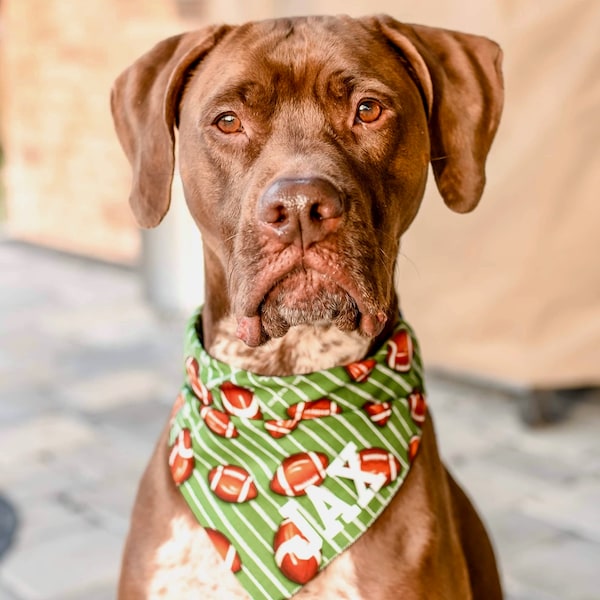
column 304, row 147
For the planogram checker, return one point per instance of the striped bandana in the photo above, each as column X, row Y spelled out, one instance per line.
column 285, row 473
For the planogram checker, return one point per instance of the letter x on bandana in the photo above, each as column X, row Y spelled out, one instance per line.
column 285, row 473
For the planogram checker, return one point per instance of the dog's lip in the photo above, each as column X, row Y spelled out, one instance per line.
column 372, row 316
column 250, row 331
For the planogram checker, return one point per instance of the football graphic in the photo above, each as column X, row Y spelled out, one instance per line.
column 360, row 371
column 294, row 555
column 379, row 462
column 379, row 412
column 232, row 483
column 201, row 391
column 239, row 401
column 177, row 406
column 218, row 422
column 280, row 427
column 418, row 407
column 181, row 458
column 313, row 409
column 225, row 549
column 400, row 351
column 413, row 447
column 299, row 471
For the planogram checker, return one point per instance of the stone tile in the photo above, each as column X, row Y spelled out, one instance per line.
column 19, row 404
column 102, row 327
column 518, row 538
column 44, row 518
column 113, row 389
column 512, row 531
column 575, row 508
column 517, row 591
column 563, row 571
column 63, row 566
column 139, row 423
column 32, row 480
column 114, row 453
column 471, row 417
column 6, row 594
column 574, row 441
column 161, row 356
column 512, row 457
column 24, row 364
column 40, row 437
column 113, row 461
column 106, row 505
column 494, row 487
column 21, row 300
column 459, row 442
column 106, row 592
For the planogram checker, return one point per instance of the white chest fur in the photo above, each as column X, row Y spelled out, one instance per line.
column 303, row 349
column 187, row 566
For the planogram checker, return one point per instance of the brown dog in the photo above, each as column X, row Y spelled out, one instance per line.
column 304, row 147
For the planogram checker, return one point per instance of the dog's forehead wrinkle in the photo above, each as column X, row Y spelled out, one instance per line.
column 247, row 91
column 285, row 83
column 303, row 49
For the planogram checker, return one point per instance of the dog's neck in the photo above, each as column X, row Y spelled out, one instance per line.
column 303, row 349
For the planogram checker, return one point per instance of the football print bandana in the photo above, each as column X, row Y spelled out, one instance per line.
column 285, row 473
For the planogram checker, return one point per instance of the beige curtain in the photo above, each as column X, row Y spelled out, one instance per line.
column 512, row 292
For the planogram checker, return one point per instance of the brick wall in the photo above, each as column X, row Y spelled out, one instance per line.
column 66, row 178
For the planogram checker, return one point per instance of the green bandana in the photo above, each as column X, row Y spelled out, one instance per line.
column 287, row 472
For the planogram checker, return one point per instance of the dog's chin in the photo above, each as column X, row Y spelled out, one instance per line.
column 307, row 298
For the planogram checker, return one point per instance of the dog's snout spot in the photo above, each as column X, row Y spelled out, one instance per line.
column 300, row 211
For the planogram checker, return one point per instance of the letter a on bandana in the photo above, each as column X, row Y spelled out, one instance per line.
column 284, row 473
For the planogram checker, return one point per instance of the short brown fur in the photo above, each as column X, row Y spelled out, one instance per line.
column 274, row 285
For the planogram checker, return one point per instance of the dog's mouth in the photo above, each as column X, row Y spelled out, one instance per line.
column 307, row 297
column 312, row 292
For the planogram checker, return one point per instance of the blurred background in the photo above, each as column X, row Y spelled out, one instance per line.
column 506, row 301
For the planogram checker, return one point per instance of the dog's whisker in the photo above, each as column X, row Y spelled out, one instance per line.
column 410, row 261
column 385, row 262
column 233, row 236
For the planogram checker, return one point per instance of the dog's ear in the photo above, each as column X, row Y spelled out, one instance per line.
column 144, row 103
column 461, row 81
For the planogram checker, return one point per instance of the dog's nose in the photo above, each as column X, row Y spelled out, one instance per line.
column 301, row 211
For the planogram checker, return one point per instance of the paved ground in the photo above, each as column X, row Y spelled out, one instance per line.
column 87, row 375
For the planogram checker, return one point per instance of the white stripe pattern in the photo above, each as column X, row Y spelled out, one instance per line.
column 251, row 524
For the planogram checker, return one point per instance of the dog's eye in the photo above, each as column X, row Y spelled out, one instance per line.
column 229, row 123
column 368, row 111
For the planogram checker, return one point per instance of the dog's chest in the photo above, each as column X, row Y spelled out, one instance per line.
column 187, row 565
